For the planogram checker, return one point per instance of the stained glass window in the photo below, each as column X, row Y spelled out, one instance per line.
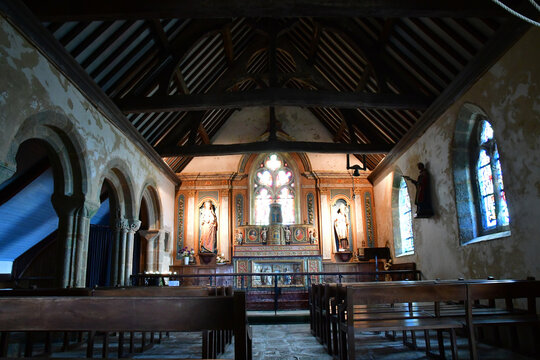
column 273, row 182
column 405, row 219
column 493, row 208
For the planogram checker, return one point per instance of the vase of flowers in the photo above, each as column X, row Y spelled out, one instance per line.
column 186, row 254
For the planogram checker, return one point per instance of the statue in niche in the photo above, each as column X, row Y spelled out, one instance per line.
column 341, row 227
column 208, row 221
column 287, row 235
column 422, row 198
column 264, row 235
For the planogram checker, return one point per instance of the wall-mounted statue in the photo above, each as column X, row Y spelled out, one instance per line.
column 341, row 225
column 208, row 227
column 422, row 198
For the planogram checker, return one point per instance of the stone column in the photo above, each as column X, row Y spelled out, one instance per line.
column 123, row 227
column 74, row 215
column 152, row 239
column 326, row 238
column 134, row 225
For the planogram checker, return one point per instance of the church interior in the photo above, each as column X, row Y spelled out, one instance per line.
column 174, row 144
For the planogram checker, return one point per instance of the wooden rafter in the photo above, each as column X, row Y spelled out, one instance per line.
column 272, row 97
column 268, row 146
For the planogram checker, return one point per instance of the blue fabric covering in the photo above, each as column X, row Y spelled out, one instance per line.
column 27, row 218
column 102, row 215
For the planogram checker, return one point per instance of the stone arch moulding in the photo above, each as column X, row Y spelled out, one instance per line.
column 118, row 174
column 153, row 201
column 66, row 147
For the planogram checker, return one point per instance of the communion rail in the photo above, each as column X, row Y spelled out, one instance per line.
column 279, row 285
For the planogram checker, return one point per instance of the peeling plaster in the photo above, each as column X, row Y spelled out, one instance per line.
column 510, row 94
column 31, row 86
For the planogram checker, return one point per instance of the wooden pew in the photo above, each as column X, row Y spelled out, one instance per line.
column 117, row 314
column 4, row 336
column 506, row 291
column 351, row 320
column 330, row 298
column 213, row 342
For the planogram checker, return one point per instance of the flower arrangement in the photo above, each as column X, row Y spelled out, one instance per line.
column 187, row 253
column 220, row 259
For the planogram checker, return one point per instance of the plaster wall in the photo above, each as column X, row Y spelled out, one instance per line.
column 510, row 95
column 34, row 93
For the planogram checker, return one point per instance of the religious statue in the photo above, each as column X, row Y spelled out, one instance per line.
column 341, row 227
column 239, row 237
column 422, row 198
column 208, row 228
column 287, row 235
column 264, row 235
column 313, row 237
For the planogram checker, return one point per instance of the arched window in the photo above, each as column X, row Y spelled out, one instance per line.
column 405, row 219
column 491, row 202
column 480, row 194
column 273, row 181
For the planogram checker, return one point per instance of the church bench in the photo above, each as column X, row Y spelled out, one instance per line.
column 331, row 298
column 507, row 292
column 117, row 314
column 400, row 318
column 4, row 336
column 214, row 342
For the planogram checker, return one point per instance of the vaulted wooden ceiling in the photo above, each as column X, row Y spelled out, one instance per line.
column 373, row 72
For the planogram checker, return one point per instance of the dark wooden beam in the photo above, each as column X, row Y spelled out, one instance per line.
column 272, row 97
column 227, row 43
column 69, row 10
column 503, row 39
column 280, row 146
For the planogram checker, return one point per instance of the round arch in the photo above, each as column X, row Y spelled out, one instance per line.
column 65, row 149
column 151, row 197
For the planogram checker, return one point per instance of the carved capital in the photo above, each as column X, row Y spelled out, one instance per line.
column 122, row 224
column 134, row 225
column 74, row 205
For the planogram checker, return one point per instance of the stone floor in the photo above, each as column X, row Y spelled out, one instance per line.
column 295, row 342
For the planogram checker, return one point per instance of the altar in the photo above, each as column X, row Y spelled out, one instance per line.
column 274, row 249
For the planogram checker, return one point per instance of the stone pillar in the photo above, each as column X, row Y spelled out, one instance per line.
column 152, row 240
column 327, row 236
column 123, row 227
column 134, row 225
column 359, row 211
column 74, row 215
